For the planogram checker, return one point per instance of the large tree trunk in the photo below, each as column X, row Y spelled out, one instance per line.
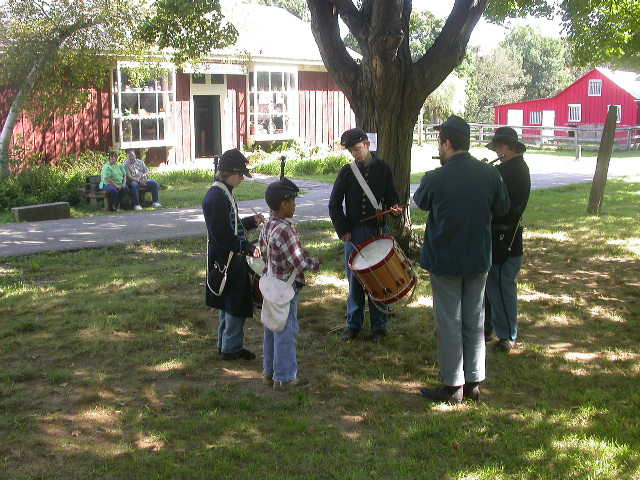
column 386, row 89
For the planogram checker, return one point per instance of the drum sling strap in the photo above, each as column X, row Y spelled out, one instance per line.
column 223, row 270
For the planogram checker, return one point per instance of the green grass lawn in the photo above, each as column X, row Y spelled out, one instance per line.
column 176, row 195
column 109, row 368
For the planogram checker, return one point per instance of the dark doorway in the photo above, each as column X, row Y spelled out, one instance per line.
column 206, row 116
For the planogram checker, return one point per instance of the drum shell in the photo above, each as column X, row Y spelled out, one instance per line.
column 388, row 280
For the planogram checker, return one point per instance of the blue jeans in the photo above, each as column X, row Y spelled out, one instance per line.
column 230, row 333
column 134, row 187
column 458, row 305
column 502, row 293
column 279, row 349
column 355, row 302
column 115, row 194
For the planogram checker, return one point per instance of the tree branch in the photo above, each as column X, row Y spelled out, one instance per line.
column 387, row 30
column 448, row 50
column 324, row 25
column 351, row 17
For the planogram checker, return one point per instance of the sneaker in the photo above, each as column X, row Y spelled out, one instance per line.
column 156, row 204
column 242, row 354
column 267, row 379
column 349, row 334
column 137, row 207
column 503, row 345
column 471, row 391
column 443, row 394
column 295, row 383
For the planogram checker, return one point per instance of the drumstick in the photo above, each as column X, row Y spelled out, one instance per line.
column 380, row 214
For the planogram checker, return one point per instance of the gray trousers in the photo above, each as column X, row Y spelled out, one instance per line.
column 458, row 304
column 502, row 293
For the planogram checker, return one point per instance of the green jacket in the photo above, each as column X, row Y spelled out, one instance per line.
column 116, row 172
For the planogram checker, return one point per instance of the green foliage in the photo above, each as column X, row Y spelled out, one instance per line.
column 497, row 78
column 191, row 27
column 424, row 27
column 545, row 62
column 312, row 166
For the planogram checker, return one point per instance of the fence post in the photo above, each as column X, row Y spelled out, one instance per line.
column 481, row 133
column 629, row 138
column 578, row 152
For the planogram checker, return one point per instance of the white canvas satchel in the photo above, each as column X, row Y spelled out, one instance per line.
column 276, row 295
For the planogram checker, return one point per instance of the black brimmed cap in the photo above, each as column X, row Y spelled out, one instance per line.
column 279, row 191
column 234, row 161
column 353, row 136
column 456, row 124
column 507, row 136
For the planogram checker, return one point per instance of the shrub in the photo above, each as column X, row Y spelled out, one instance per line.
column 313, row 166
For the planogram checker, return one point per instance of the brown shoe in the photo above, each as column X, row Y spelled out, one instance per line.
column 295, row 383
column 267, row 379
column 443, row 394
column 503, row 345
column 471, row 391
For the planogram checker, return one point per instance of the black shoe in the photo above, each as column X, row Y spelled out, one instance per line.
column 443, row 394
column 378, row 335
column 471, row 391
column 242, row 354
column 503, row 345
column 349, row 334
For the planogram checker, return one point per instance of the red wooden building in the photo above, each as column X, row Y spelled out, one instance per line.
column 270, row 85
column 583, row 105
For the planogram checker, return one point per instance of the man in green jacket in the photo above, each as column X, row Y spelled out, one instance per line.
column 113, row 180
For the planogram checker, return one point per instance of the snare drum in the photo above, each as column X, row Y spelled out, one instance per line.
column 256, row 267
column 382, row 269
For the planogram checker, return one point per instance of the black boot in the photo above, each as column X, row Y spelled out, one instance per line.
column 443, row 394
column 471, row 391
column 242, row 354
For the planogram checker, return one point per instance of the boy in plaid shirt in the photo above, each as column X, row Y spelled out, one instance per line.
column 280, row 366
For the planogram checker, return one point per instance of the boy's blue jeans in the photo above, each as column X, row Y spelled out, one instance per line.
column 230, row 333
column 279, row 349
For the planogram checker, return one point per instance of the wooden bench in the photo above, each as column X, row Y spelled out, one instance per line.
column 91, row 191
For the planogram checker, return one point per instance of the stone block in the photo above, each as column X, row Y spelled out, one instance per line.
column 44, row 211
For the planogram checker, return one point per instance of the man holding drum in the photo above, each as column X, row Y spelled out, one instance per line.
column 349, row 225
column 462, row 197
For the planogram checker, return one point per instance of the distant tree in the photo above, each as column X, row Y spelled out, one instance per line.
column 496, row 78
column 544, row 62
column 52, row 51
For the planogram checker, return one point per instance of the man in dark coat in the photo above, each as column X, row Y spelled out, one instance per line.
column 507, row 238
column 349, row 226
column 227, row 234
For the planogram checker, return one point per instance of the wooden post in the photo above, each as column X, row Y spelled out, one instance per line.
column 602, row 166
column 629, row 135
column 578, row 153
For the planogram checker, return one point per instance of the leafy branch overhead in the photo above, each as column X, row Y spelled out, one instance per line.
column 189, row 29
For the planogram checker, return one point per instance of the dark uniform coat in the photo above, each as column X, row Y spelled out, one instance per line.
column 237, row 297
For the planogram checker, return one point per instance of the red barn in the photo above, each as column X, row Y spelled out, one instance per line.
column 582, row 105
column 270, row 85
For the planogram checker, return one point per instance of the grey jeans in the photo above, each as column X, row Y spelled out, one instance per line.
column 458, row 304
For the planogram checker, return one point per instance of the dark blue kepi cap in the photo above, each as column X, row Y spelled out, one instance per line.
column 456, row 124
column 280, row 190
column 353, row 136
column 234, row 161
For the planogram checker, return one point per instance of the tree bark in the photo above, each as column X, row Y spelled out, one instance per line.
column 602, row 166
column 385, row 88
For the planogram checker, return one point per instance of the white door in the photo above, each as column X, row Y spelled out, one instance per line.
column 515, row 118
column 548, row 120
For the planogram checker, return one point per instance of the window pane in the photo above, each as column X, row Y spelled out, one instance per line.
column 198, row 78
column 251, row 75
column 278, row 123
column 149, row 129
column 292, row 81
column 130, row 130
column 262, row 127
column 147, row 104
column 217, row 79
column 161, row 129
column 129, row 103
column 263, row 81
column 160, row 103
column 276, row 81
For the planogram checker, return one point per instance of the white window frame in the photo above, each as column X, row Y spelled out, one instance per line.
column 595, row 91
column 535, row 118
column 619, row 115
column 291, row 93
column 577, row 106
column 119, row 117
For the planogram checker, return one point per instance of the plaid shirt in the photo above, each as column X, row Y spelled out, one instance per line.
column 136, row 168
column 285, row 249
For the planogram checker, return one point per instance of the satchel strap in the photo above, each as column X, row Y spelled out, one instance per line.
column 365, row 186
column 293, row 275
column 232, row 201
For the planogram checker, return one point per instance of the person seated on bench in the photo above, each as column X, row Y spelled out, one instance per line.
column 113, row 180
column 138, row 176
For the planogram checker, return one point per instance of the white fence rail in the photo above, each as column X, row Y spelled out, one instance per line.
column 626, row 138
